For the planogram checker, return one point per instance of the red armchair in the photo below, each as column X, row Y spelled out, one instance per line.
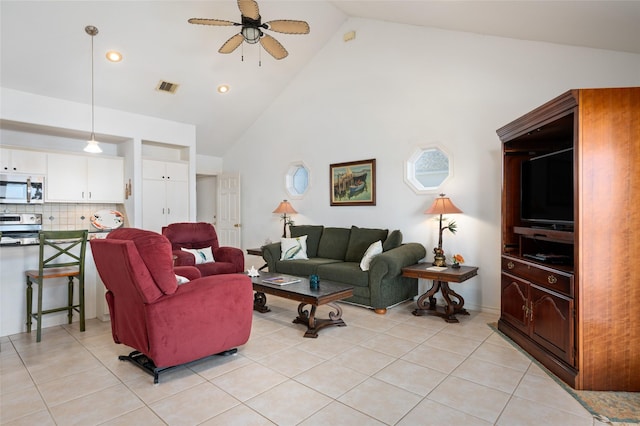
column 198, row 235
column 168, row 324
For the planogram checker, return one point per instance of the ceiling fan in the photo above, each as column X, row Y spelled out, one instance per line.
column 252, row 27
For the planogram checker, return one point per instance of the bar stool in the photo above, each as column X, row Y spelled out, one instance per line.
column 61, row 255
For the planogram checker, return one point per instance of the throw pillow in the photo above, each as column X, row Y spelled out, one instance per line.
column 393, row 240
column 181, row 280
column 373, row 250
column 293, row 248
column 202, row 255
column 313, row 233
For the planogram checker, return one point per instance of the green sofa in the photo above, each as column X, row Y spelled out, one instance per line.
column 334, row 254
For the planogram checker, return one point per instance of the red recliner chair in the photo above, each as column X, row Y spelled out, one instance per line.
column 202, row 235
column 168, row 324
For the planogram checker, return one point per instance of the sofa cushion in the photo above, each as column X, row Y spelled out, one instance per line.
column 293, row 248
column 313, row 233
column 333, row 243
column 302, row 268
column 393, row 240
column 344, row 272
column 359, row 241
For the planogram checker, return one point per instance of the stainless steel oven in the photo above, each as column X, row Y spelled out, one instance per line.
column 21, row 189
column 20, row 228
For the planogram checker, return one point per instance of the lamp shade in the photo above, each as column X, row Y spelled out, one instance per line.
column 285, row 207
column 442, row 205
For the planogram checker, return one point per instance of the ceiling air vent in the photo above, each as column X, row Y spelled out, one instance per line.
column 165, row 86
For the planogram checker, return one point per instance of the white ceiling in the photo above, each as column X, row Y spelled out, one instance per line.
column 45, row 49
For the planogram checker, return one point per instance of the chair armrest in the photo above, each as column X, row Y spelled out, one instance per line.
column 189, row 272
column 271, row 254
column 183, row 258
column 231, row 255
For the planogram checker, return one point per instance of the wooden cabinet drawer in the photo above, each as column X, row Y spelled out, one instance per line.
column 550, row 278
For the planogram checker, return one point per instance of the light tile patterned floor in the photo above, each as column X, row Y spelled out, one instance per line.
column 395, row 369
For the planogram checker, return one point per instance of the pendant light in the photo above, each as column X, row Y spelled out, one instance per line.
column 92, row 144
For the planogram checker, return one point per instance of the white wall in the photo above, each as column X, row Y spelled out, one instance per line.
column 395, row 88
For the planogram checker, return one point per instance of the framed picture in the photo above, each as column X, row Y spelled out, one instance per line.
column 353, row 183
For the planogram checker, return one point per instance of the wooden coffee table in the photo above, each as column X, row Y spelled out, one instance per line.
column 327, row 293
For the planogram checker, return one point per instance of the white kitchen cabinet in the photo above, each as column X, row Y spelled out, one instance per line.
column 76, row 178
column 165, row 193
column 22, row 161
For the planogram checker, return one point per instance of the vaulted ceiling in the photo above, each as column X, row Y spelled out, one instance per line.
column 46, row 51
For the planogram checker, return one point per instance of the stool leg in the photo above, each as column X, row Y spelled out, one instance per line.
column 40, row 284
column 29, row 303
column 70, row 299
column 81, row 301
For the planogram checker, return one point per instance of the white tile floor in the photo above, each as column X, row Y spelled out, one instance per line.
column 395, row 369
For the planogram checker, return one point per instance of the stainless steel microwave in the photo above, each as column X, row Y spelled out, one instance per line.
column 21, row 189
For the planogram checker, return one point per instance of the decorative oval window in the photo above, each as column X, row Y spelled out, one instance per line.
column 297, row 180
column 427, row 169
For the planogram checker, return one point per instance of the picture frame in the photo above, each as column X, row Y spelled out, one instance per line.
column 353, row 183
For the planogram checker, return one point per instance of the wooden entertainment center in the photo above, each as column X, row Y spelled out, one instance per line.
column 570, row 290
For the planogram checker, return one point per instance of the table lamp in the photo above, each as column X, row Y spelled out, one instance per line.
column 285, row 208
column 442, row 205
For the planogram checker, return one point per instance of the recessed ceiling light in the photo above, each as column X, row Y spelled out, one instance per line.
column 223, row 88
column 114, row 56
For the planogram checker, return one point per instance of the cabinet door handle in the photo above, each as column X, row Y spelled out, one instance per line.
column 83, row 195
column 511, row 265
column 531, row 313
column 551, row 279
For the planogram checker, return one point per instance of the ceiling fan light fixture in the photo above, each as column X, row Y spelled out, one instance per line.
column 251, row 34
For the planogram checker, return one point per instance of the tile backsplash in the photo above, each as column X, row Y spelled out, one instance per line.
column 61, row 216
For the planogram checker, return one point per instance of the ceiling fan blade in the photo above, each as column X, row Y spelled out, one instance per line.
column 231, row 44
column 288, row 26
column 273, row 46
column 249, row 9
column 218, row 22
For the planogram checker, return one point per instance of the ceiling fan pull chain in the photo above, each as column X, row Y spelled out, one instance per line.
column 259, row 56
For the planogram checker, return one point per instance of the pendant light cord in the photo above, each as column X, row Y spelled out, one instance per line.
column 93, row 135
column 92, row 31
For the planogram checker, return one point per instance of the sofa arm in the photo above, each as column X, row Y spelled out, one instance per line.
column 390, row 263
column 230, row 255
column 271, row 254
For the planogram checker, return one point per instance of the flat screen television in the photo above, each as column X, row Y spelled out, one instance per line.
column 546, row 191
